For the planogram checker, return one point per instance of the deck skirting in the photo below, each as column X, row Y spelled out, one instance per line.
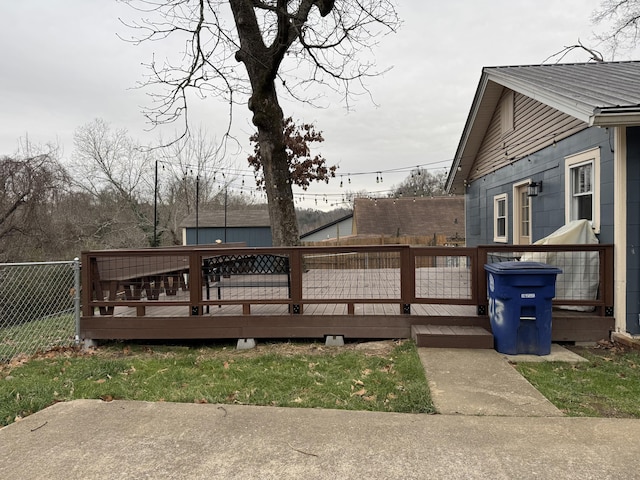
column 569, row 328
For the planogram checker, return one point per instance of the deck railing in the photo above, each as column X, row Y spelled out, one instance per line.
column 586, row 282
column 207, row 280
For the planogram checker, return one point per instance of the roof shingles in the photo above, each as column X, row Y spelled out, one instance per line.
column 410, row 216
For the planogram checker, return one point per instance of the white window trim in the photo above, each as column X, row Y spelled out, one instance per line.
column 517, row 213
column 572, row 161
column 496, row 237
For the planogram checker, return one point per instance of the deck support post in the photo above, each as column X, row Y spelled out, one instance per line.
column 334, row 341
column 246, row 343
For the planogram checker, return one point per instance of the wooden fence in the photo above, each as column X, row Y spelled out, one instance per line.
column 415, row 240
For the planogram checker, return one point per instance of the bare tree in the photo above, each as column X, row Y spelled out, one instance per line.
column 108, row 164
column 593, row 54
column 422, row 183
column 187, row 168
column 622, row 20
column 28, row 187
column 284, row 46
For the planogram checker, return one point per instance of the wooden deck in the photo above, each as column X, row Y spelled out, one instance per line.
column 366, row 292
column 372, row 320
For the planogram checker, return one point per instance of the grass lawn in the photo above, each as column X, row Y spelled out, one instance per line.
column 389, row 378
column 608, row 385
column 27, row 338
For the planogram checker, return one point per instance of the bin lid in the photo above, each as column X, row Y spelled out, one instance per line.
column 521, row 268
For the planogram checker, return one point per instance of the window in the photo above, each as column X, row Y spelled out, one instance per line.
column 525, row 214
column 500, row 218
column 582, row 193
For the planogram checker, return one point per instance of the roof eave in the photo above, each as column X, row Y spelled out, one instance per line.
column 616, row 117
column 566, row 104
column 460, row 171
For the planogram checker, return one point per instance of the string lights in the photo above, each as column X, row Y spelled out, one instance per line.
column 242, row 182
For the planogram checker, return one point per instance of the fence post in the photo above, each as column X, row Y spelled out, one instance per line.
column 481, row 280
column 607, row 270
column 407, row 278
column 76, row 296
column 195, row 282
column 296, row 268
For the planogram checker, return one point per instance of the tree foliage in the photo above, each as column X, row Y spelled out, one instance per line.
column 304, row 167
column 283, row 45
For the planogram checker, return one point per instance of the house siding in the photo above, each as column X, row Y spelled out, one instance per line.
column 252, row 236
column 633, row 230
column 535, row 126
column 548, row 209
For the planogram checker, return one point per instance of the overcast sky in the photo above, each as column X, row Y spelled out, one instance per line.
column 63, row 66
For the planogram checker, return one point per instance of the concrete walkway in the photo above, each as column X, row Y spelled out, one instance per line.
column 484, row 382
column 500, row 430
column 90, row 439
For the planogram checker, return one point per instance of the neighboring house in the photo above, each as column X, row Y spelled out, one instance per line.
column 398, row 217
column 333, row 230
column 573, row 130
column 249, row 226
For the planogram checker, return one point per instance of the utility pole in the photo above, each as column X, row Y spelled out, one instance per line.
column 155, row 208
column 197, row 208
column 225, row 214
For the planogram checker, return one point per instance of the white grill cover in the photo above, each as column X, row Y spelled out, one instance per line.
column 580, row 270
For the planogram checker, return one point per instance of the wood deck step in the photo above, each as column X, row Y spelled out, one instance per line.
column 443, row 336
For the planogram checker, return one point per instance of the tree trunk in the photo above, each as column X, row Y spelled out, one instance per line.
column 269, row 120
column 262, row 65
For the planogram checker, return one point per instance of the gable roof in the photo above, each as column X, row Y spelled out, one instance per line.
column 409, row 216
column 601, row 94
column 235, row 218
column 326, row 226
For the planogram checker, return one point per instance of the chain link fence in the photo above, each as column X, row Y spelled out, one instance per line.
column 39, row 307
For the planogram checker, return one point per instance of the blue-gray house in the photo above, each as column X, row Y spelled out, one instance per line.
column 573, row 132
column 249, row 225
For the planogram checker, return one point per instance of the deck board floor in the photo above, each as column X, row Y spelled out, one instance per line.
column 309, row 309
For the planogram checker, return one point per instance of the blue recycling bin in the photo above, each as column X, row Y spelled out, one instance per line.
column 520, row 295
